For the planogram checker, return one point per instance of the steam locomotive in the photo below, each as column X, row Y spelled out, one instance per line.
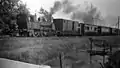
column 27, row 26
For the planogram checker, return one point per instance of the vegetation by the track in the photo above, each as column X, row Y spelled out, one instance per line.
column 44, row 50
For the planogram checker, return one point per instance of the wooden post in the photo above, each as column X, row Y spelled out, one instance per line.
column 60, row 57
column 101, row 65
column 90, row 50
column 110, row 49
column 103, row 52
column 103, row 59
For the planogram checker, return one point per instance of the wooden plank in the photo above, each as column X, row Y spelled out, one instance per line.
column 99, row 42
column 6, row 63
column 103, row 44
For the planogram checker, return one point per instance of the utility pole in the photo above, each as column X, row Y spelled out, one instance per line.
column 118, row 23
column 93, row 20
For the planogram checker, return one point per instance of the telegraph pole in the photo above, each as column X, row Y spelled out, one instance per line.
column 118, row 23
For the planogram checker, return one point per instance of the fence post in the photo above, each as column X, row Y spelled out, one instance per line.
column 60, row 57
column 90, row 50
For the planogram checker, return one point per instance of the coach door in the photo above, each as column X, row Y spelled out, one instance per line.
column 99, row 30
column 81, row 29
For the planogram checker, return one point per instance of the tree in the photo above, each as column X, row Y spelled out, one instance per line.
column 46, row 15
column 9, row 9
column 22, row 8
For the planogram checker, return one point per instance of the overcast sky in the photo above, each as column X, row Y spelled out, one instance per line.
column 108, row 8
column 111, row 7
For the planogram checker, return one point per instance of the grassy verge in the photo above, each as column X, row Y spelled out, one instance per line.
column 40, row 50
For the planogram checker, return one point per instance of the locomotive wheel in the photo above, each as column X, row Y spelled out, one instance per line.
column 36, row 34
column 30, row 35
column 58, row 33
column 26, row 35
column 45, row 34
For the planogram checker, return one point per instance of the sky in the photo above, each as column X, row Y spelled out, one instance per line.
column 107, row 7
column 110, row 9
column 35, row 5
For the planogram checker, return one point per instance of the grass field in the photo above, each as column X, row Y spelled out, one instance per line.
column 45, row 50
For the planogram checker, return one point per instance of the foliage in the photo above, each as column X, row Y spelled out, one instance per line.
column 9, row 9
column 8, row 6
column 47, row 16
column 22, row 8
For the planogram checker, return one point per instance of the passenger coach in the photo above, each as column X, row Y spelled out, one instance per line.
column 70, row 28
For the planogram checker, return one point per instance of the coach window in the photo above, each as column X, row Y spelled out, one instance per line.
column 115, row 30
column 91, row 28
column 95, row 29
column 87, row 28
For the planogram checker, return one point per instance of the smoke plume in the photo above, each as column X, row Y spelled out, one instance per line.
column 57, row 6
column 81, row 12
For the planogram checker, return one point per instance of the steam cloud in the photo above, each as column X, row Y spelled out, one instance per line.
column 86, row 13
column 57, row 6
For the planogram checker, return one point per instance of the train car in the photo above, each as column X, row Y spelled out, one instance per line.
column 114, row 31
column 66, row 27
column 80, row 28
column 59, row 26
column 118, row 32
column 76, row 28
column 105, row 30
column 90, row 29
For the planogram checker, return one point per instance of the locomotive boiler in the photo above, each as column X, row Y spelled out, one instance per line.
column 28, row 26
